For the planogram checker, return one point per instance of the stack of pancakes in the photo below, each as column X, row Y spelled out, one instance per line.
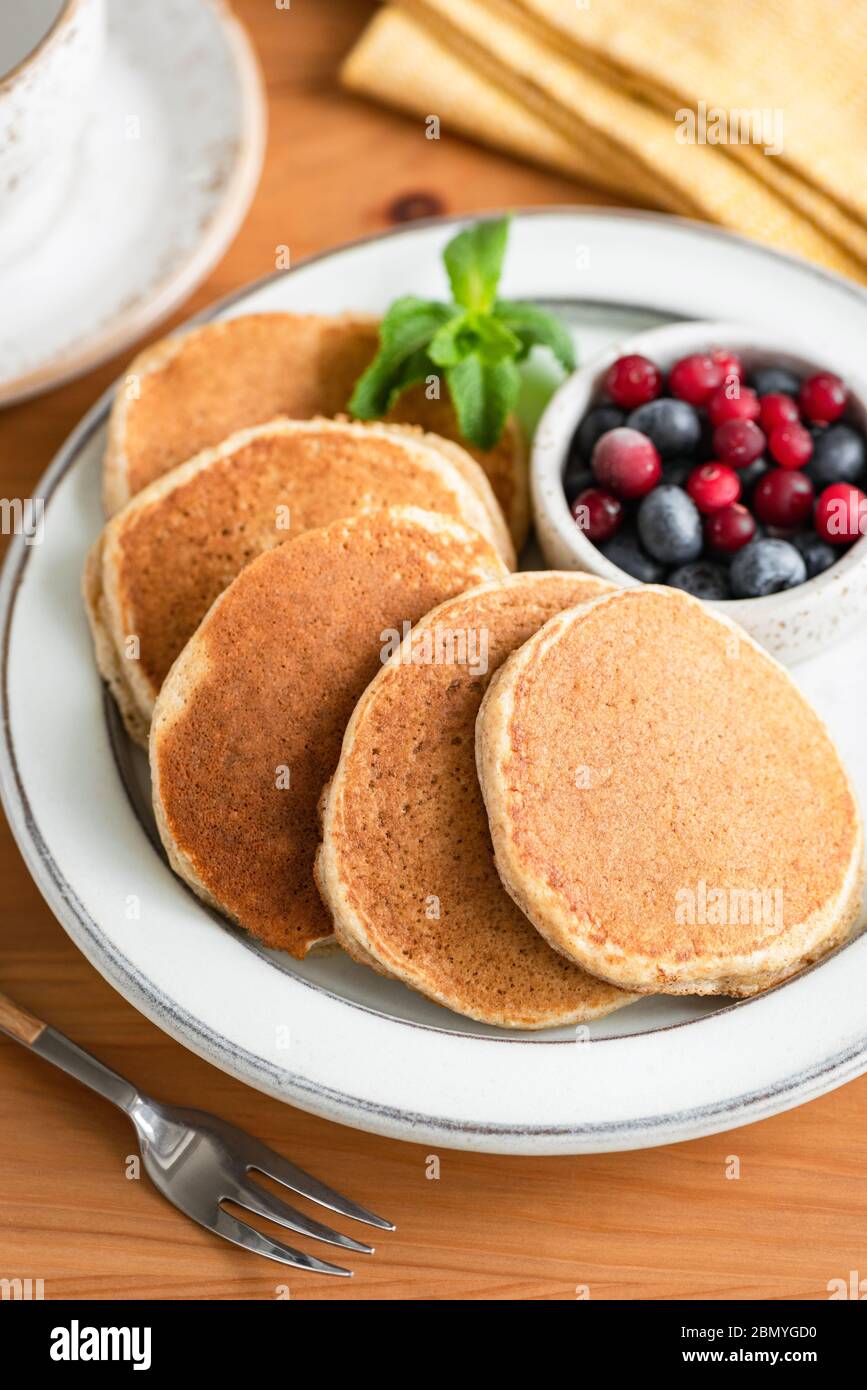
column 530, row 797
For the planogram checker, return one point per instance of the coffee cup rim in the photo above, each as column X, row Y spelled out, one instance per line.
column 60, row 22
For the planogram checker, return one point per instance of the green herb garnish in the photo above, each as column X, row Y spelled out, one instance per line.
column 476, row 342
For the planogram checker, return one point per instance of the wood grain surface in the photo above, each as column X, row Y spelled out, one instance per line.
column 659, row 1224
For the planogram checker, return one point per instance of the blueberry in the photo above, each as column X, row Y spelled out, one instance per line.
column 766, row 567
column 772, row 381
column 702, row 578
column 673, row 426
column 576, row 478
column 839, row 456
column 596, row 423
column 817, row 554
column 750, row 475
column 669, row 525
column 624, row 550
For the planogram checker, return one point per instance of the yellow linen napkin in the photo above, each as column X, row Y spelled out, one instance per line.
column 797, row 56
column 721, row 190
column 514, row 74
column 399, row 60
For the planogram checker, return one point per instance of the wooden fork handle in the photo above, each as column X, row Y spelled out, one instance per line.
column 25, row 1027
column 55, row 1047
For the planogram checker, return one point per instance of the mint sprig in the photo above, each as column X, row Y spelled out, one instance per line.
column 476, row 342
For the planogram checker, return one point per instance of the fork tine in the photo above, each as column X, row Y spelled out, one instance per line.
column 263, row 1203
column 239, row 1233
column 273, row 1165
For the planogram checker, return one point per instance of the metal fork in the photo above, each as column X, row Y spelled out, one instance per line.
column 199, row 1161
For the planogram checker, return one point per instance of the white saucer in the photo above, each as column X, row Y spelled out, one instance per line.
column 166, row 171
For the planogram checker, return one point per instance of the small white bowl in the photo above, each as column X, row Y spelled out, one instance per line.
column 793, row 624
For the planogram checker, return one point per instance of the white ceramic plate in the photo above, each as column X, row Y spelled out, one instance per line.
column 165, row 173
column 327, row 1034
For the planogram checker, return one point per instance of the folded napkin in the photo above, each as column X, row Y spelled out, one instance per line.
column 744, row 115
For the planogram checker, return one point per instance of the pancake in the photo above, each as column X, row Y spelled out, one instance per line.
column 248, row 725
column 162, row 561
column 189, row 391
column 406, row 863
column 665, row 805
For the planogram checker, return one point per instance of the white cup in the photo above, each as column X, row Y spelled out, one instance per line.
column 50, row 54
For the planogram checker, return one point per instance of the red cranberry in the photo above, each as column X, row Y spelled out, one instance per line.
column 732, row 366
column 633, row 380
column 733, row 402
column 599, row 514
column 822, row 398
column 730, row 528
column 783, row 497
column 791, row 446
column 712, row 486
column 841, row 514
column 738, row 442
column 694, row 378
column 778, row 409
column 626, row 462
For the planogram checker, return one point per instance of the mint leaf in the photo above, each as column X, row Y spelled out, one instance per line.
column 483, row 395
column 467, row 334
column 495, row 341
column 535, row 327
column 453, row 342
column 404, row 335
column 474, row 260
column 475, row 342
column 375, row 394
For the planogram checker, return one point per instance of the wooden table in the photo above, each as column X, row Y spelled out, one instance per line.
column 660, row 1224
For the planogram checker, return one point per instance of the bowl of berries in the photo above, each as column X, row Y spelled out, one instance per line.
column 709, row 457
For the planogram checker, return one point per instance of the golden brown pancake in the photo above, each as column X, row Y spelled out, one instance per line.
column 248, row 725
column 189, row 391
column 664, row 804
column 406, row 863
column 162, row 561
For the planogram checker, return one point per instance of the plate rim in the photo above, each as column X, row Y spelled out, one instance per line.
column 216, row 1048
column 196, row 265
